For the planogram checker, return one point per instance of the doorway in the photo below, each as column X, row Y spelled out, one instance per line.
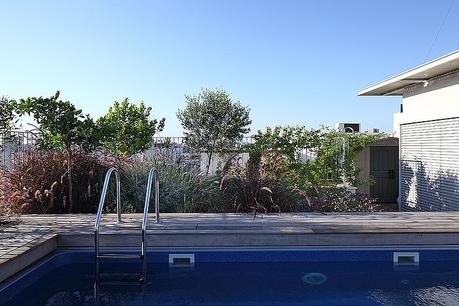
column 384, row 168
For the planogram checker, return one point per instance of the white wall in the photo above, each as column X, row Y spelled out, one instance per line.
column 438, row 100
column 218, row 161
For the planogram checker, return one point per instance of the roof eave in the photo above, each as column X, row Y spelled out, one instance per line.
column 394, row 86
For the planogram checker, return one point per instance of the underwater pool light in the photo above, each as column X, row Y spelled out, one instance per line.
column 314, row 278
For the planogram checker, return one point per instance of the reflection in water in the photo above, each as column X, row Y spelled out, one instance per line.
column 440, row 295
column 273, row 283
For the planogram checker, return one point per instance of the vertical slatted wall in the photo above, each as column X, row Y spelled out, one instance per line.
column 429, row 165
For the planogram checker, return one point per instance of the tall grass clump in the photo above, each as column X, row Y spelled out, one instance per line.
column 249, row 188
column 6, row 213
column 37, row 182
column 182, row 189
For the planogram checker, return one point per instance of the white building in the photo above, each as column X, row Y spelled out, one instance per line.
column 428, row 128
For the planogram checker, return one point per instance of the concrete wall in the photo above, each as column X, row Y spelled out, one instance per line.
column 218, row 161
column 437, row 100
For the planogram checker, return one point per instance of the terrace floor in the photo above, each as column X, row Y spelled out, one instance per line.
column 40, row 234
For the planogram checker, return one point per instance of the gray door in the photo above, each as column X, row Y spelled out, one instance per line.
column 429, row 152
column 384, row 170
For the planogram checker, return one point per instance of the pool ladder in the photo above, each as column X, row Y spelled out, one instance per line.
column 153, row 174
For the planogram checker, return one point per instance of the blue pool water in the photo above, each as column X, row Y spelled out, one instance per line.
column 242, row 277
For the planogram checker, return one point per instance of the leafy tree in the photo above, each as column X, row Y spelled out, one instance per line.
column 213, row 122
column 6, row 113
column 127, row 128
column 62, row 126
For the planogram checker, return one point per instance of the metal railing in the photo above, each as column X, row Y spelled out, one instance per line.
column 15, row 144
column 165, row 140
column 101, row 205
column 153, row 174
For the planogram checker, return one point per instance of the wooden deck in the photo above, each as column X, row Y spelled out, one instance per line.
column 43, row 233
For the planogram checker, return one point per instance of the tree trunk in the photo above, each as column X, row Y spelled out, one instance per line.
column 209, row 159
column 69, row 177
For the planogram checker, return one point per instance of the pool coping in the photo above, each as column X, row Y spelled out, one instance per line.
column 32, row 252
column 35, row 236
column 29, row 253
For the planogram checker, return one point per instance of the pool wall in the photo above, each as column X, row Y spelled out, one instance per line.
column 64, row 257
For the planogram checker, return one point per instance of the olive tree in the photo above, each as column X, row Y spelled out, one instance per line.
column 213, row 122
column 127, row 128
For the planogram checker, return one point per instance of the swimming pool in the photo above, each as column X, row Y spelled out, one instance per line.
column 243, row 277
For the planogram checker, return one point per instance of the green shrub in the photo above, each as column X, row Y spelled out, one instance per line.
column 338, row 199
column 282, row 151
column 255, row 188
column 128, row 128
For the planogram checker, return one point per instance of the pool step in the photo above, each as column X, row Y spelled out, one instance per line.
column 118, row 278
column 107, row 280
column 132, row 283
column 119, row 255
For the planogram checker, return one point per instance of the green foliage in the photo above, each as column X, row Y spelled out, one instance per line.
column 61, row 124
column 37, row 184
column 339, row 199
column 248, row 188
column 253, row 188
column 277, row 177
column 335, row 165
column 213, row 122
column 181, row 189
column 281, row 149
column 127, row 129
column 6, row 114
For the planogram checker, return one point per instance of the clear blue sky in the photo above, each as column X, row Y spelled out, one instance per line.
column 292, row 62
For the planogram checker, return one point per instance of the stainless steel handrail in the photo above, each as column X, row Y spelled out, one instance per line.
column 101, row 204
column 152, row 174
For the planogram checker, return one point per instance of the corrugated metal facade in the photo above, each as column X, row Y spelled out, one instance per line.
column 429, row 165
